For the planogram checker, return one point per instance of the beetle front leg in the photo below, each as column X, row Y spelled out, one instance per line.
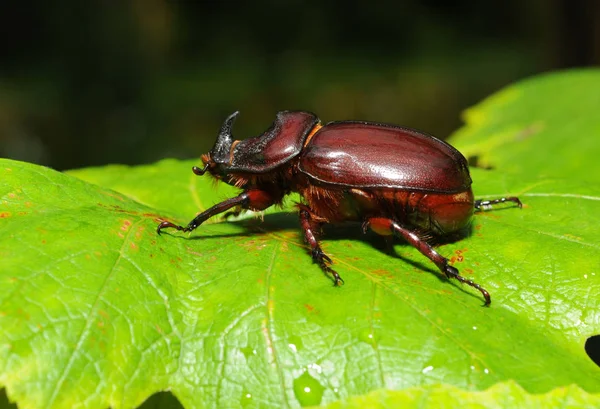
column 253, row 199
column 318, row 255
column 386, row 227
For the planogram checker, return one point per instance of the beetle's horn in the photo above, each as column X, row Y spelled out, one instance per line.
column 220, row 152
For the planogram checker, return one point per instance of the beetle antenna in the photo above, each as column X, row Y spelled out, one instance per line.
column 199, row 171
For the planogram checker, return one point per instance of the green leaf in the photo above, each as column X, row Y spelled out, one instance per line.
column 546, row 126
column 504, row 395
column 168, row 185
column 99, row 310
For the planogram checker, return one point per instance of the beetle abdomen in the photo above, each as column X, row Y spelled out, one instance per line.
column 438, row 213
column 368, row 155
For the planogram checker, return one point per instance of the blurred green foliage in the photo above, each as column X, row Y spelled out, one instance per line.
column 95, row 82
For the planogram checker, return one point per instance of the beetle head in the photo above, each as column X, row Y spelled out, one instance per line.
column 217, row 160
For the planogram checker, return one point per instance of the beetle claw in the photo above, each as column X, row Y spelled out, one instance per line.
column 337, row 280
column 452, row 272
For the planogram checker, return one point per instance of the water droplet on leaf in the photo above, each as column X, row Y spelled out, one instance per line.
column 248, row 351
column 308, row 390
column 367, row 337
column 246, row 399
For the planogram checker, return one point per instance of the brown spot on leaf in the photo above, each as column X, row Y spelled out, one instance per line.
column 529, row 131
column 458, row 257
column 381, row 273
column 489, row 214
column 118, row 197
column 311, row 309
column 255, row 245
column 191, row 251
column 4, row 215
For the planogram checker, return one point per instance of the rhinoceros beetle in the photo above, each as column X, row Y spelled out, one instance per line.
column 395, row 180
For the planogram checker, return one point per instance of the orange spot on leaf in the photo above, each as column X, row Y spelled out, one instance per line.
column 381, row 273
column 311, row 309
column 126, row 225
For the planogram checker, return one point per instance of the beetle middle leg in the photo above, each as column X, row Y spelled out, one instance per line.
column 386, row 227
column 318, row 255
column 253, row 199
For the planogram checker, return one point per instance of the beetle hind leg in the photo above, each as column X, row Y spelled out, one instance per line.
column 487, row 204
column 387, row 227
column 317, row 253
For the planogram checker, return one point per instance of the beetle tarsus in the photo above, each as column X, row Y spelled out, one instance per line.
column 487, row 204
column 323, row 260
column 452, row 272
column 185, row 229
column 166, row 224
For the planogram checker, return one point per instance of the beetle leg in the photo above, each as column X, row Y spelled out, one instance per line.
column 386, row 227
column 318, row 255
column 486, row 204
column 253, row 199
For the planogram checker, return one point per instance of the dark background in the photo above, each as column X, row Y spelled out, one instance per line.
column 133, row 81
